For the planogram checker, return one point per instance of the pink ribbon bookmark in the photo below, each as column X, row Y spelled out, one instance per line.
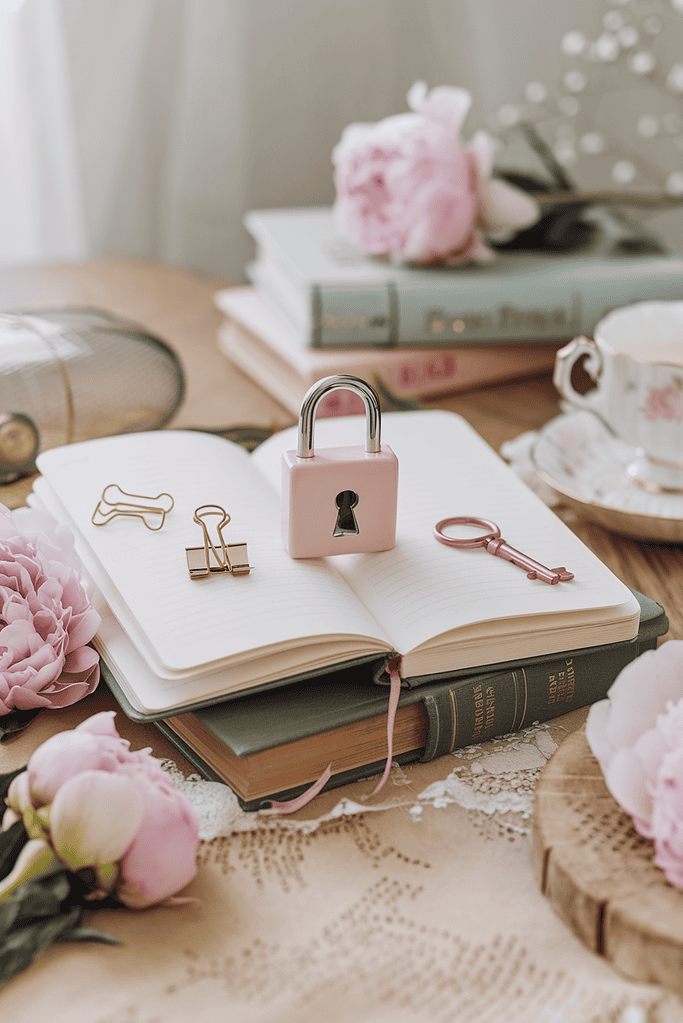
column 291, row 805
column 394, row 693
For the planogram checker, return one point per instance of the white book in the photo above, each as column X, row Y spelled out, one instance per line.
column 173, row 642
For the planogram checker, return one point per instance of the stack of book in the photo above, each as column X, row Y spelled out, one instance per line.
column 264, row 679
column 319, row 306
column 261, row 342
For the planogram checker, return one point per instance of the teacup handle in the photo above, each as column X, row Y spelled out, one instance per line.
column 565, row 361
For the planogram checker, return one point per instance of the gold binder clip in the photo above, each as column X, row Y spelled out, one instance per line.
column 201, row 561
column 115, row 501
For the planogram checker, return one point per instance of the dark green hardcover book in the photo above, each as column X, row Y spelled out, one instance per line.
column 272, row 745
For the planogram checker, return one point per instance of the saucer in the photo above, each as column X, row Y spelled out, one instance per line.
column 581, row 460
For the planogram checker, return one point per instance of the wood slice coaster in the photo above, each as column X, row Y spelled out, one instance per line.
column 599, row 874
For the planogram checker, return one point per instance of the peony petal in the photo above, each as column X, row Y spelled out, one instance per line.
column 15, row 611
column 22, row 698
column 477, row 251
column 82, row 659
column 19, row 794
column 417, row 94
column 162, row 858
column 625, row 779
column 667, row 816
column 16, row 636
column 483, row 148
column 66, row 754
column 447, row 104
column 44, row 677
column 71, row 692
column 84, row 630
column 650, row 748
column 444, row 227
column 596, row 732
column 94, row 818
column 101, row 724
column 642, row 690
column 506, row 208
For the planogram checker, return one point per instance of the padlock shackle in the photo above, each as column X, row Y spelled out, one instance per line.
column 347, row 382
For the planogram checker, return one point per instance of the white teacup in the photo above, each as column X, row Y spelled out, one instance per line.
column 636, row 361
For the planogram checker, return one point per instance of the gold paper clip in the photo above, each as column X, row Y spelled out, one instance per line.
column 115, row 501
column 201, row 561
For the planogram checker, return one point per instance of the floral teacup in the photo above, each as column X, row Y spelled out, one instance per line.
column 636, row 361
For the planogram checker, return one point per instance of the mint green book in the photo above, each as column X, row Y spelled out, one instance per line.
column 338, row 296
column 273, row 745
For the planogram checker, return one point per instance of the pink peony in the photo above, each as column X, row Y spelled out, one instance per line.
column 91, row 802
column 407, row 187
column 46, row 618
column 637, row 736
column 667, row 814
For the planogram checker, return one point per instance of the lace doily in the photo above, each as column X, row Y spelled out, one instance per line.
column 493, row 781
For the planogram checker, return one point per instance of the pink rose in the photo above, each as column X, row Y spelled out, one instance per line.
column 407, row 187
column 46, row 618
column 90, row 801
column 637, row 736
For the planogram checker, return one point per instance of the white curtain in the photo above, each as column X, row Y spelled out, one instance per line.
column 41, row 203
column 148, row 127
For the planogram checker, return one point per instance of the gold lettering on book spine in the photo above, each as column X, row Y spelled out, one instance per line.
column 478, row 712
column 490, row 707
column 561, row 684
column 509, row 319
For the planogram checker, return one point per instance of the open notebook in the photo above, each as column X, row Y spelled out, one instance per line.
column 172, row 642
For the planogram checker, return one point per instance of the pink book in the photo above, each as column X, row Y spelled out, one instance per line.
column 256, row 338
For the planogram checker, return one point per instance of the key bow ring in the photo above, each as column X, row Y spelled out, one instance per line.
column 493, row 543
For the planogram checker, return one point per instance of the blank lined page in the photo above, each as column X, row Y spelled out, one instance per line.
column 422, row 589
column 190, row 623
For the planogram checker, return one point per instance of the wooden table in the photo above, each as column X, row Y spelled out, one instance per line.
column 127, row 986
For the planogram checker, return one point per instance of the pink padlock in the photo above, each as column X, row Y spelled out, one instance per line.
column 339, row 500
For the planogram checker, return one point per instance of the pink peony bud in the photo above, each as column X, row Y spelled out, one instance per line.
column 100, row 805
column 97, row 747
column 161, row 859
column 94, row 818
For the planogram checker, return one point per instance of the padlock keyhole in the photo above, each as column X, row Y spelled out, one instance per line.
column 346, row 524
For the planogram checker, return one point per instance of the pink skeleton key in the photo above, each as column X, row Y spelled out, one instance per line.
column 491, row 541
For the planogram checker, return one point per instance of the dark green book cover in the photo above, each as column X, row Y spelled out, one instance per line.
column 460, row 708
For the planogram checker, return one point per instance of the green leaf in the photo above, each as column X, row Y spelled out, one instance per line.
column 7, row 779
column 15, row 722
column 46, row 909
column 12, row 842
column 21, row 947
column 90, row 934
column 44, row 896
